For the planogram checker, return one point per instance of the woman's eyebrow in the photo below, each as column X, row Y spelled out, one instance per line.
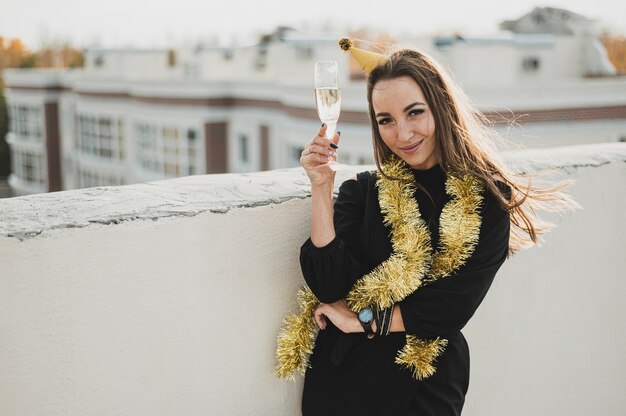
column 407, row 108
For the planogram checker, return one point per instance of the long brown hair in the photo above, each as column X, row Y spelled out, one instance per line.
column 464, row 143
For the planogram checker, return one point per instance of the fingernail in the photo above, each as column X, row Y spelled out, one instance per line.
column 334, row 146
column 323, row 124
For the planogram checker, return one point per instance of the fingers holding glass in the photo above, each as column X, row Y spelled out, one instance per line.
column 322, row 150
column 322, row 147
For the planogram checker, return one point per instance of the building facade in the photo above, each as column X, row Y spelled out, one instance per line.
column 141, row 115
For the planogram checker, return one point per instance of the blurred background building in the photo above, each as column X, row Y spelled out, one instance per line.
column 133, row 115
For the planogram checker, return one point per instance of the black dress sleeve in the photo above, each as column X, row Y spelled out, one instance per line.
column 330, row 271
column 447, row 304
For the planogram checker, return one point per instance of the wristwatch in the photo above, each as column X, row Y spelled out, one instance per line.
column 366, row 317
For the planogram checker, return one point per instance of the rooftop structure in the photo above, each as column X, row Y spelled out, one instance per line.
column 138, row 115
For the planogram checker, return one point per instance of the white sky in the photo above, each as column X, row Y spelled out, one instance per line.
column 156, row 23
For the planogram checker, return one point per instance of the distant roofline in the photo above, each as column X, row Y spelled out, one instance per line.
column 130, row 50
column 561, row 10
column 531, row 39
column 286, row 40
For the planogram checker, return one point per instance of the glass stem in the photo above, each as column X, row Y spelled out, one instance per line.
column 330, row 129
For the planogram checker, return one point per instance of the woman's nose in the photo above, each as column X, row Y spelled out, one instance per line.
column 404, row 131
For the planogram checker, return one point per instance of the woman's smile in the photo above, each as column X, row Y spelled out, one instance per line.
column 412, row 148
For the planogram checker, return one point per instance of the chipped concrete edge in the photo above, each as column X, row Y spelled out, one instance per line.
column 151, row 215
column 32, row 216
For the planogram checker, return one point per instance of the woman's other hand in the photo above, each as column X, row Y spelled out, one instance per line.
column 317, row 154
column 339, row 314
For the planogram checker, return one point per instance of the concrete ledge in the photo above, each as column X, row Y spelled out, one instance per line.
column 30, row 216
column 34, row 215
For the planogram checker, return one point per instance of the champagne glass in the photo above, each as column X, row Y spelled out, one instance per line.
column 328, row 98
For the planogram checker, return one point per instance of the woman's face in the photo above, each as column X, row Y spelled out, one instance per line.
column 405, row 121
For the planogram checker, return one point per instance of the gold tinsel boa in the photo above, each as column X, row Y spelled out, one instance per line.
column 411, row 265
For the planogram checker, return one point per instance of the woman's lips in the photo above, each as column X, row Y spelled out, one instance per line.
column 413, row 148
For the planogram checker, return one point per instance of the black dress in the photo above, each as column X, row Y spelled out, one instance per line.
column 353, row 375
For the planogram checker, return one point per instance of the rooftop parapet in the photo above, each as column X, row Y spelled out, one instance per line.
column 166, row 298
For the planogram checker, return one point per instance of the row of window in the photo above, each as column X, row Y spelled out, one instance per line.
column 168, row 150
column 163, row 149
column 26, row 122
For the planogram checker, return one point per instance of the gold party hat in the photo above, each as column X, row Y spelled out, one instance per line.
column 367, row 59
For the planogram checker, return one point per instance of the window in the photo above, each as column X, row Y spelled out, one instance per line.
column 26, row 122
column 243, row 148
column 88, row 179
column 171, row 58
column 120, row 139
column 171, row 150
column 366, row 160
column 166, row 149
column 530, row 64
column 99, row 136
column 28, row 166
column 146, row 142
column 297, row 153
column 304, row 52
column 191, row 152
column 105, row 138
column 293, row 155
column 260, row 61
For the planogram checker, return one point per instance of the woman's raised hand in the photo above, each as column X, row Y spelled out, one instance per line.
column 317, row 154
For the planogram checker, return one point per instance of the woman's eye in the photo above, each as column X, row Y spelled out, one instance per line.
column 383, row 121
column 416, row 112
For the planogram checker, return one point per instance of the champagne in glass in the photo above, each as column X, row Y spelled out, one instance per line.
column 328, row 107
column 328, row 96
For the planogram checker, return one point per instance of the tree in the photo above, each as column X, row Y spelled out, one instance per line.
column 615, row 45
column 12, row 53
column 5, row 157
column 63, row 55
column 15, row 54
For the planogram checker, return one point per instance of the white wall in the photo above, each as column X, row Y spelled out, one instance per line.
column 549, row 337
column 166, row 298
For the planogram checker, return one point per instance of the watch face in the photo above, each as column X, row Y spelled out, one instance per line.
column 366, row 315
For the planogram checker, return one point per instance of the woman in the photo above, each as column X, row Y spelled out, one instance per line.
column 406, row 255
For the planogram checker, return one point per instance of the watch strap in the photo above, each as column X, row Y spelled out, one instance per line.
column 368, row 329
